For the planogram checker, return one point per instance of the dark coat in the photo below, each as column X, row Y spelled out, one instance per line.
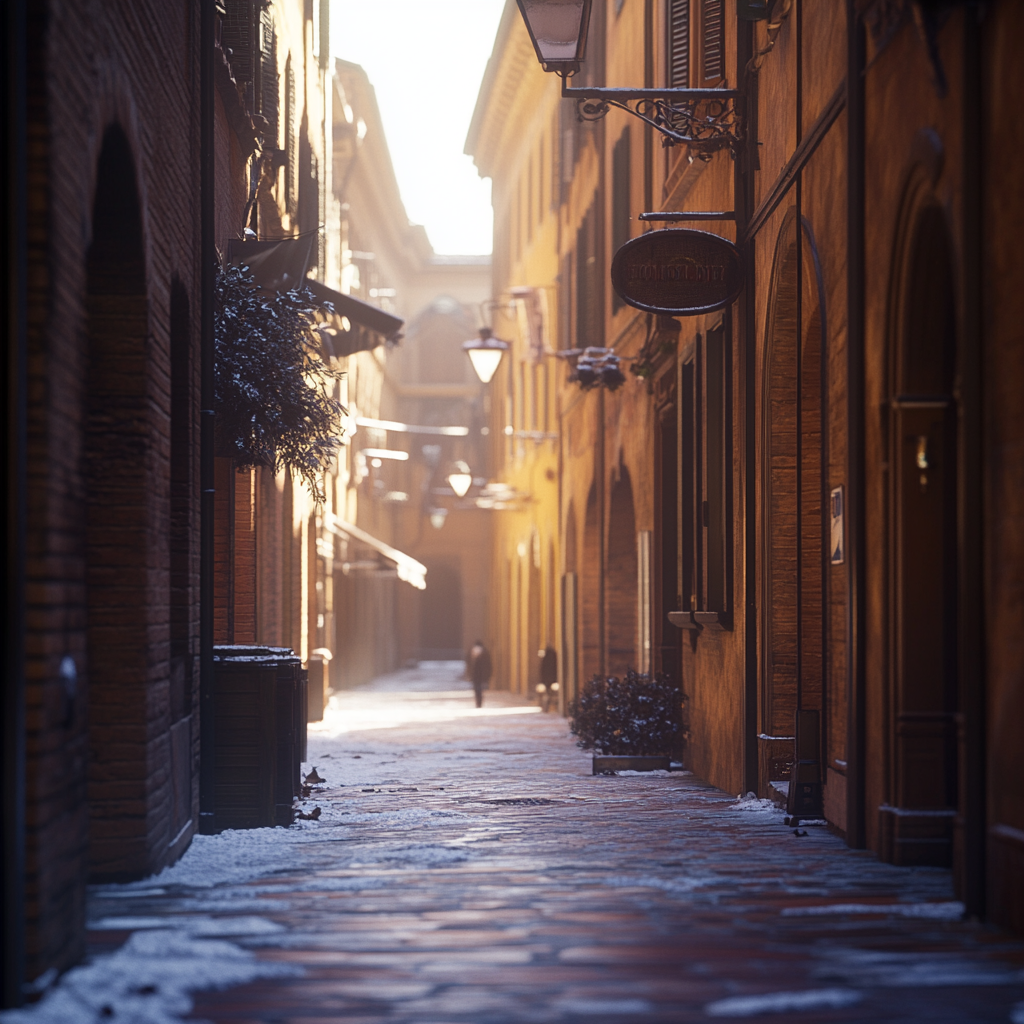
column 480, row 669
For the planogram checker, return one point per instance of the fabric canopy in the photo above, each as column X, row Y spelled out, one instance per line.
column 283, row 265
column 412, row 572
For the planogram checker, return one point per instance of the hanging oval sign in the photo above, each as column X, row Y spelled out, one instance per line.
column 678, row 272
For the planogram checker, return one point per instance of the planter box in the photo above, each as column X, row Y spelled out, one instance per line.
column 605, row 764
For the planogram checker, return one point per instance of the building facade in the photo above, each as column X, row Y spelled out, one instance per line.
column 796, row 506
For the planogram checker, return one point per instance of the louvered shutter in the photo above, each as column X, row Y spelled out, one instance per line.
column 713, row 40
column 268, row 73
column 679, row 44
column 237, row 36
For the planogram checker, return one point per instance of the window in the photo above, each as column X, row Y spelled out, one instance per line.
column 589, row 295
column 620, row 201
column 237, row 30
column 705, row 492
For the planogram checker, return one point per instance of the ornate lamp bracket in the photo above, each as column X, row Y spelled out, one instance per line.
column 706, row 120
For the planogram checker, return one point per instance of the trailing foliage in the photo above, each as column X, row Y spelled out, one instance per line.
column 634, row 715
column 273, row 391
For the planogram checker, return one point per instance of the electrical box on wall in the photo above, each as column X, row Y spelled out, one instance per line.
column 752, row 10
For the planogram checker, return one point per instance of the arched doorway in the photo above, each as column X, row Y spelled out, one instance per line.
column 621, row 599
column 441, row 614
column 590, row 593
column 794, row 535
column 533, row 615
column 570, row 614
column 121, row 549
column 916, row 824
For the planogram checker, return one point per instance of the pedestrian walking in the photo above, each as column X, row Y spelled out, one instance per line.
column 479, row 670
column 548, row 687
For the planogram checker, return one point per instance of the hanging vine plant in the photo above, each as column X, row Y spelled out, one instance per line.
column 274, row 393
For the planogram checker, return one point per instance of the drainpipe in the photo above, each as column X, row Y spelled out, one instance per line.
column 855, row 475
column 971, row 486
column 743, row 204
column 207, row 272
column 15, row 109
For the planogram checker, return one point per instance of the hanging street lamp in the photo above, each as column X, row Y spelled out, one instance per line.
column 706, row 120
column 558, row 29
column 460, row 478
column 485, row 353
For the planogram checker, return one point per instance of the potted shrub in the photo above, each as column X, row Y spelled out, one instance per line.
column 634, row 723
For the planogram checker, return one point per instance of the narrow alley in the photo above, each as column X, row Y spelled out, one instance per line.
column 468, row 867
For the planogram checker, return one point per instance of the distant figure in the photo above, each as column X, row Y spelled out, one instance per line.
column 479, row 670
column 548, row 676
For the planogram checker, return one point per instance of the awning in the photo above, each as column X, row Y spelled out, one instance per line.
column 369, row 326
column 282, row 265
column 277, row 266
column 409, row 570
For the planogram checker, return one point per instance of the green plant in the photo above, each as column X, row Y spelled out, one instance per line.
column 633, row 715
column 274, row 400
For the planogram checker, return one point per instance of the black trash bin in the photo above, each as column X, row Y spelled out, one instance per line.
column 260, row 735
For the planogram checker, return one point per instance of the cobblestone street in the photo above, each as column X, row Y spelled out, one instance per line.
column 467, row 868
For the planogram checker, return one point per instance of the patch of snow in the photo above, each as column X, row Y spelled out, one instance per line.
column 751, row 803
column 783, row 1002
column 1017, row 1014
column 599, row 1007
column 869, row 969
column 147, row 980
column 198, row 926
column 657, row 773
column 952, row 910
column 678, row 885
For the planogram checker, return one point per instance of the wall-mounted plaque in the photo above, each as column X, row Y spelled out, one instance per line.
column 678, row 272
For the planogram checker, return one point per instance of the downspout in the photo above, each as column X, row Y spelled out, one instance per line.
column 856, row 835
column 207, row 272
column 743, row 204
column 971, row 515
column 16, row 299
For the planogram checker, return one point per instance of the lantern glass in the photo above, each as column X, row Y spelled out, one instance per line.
column 460, row 479
column 485, row 362
column 485, row 354
column 558, row 29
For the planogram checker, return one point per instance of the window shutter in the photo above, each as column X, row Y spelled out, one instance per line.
column 237, row 36
column 679, row 44
column 713, row 39
column 291, row 139
column 620, row 201
column 268, row 73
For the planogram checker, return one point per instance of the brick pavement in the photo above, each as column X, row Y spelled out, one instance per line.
column 467, row 867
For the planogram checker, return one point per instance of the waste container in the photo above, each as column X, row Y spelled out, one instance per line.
column 260, row 735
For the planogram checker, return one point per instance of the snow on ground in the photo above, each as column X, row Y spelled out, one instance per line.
column 428, row 802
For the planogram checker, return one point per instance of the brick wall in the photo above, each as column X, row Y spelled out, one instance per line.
column 102, row 587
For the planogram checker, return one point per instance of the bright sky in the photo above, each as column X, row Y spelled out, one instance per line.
column 425, row 60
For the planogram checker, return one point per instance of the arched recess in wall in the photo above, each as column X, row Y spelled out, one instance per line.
column 621, row 575
column 182, row 554
column 794, row 528
column 534, row 600
column 589, row 601
column 118, row 452
column 918, row 819
column 569, row 651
